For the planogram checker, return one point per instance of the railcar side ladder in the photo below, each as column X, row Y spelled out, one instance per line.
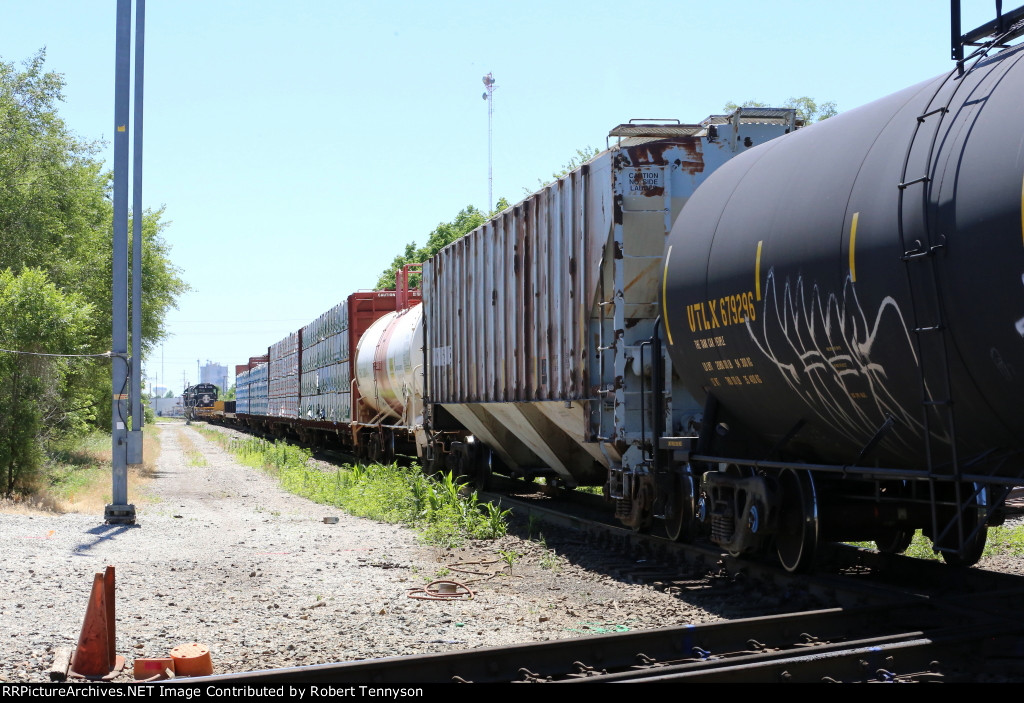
column 931, row 340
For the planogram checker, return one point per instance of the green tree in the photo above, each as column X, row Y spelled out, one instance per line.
column 56, row 216
column 581, row 157
column 807, row 110
column 162, row 284
column 468, row 219
column 37, row 322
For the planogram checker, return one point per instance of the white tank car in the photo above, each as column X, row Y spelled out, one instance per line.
column 389, row 366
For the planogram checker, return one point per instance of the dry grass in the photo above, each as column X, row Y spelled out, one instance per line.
column 194, row 456
column 32, row 505
column 79, row 479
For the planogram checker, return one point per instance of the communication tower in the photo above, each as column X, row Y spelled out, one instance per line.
column 489, row 97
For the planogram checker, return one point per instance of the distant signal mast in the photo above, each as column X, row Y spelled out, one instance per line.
column 489, row 97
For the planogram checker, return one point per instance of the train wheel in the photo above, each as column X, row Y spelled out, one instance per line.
column 362, row 452
column 437, row 461
column 895, row 541
column 974, row 516
column 681, row 509
column 374, row 449
column 484, row 469
column 796, row 540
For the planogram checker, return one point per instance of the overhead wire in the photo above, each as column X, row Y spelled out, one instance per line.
column 107, row 354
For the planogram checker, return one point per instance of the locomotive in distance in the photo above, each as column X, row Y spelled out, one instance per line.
column 861, row 390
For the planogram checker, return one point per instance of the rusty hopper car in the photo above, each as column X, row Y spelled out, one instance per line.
column 536, row 322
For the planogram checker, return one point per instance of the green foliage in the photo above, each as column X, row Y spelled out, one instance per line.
column 74, row 464
column 549, row 560
column 468, row 219
column 35, row 316
column 1005, row 540
column 533, row 523
column 581, row 157
column 509, row 556
column 1001, row 540
column 807, row 110
column 437, row 508
column 496, row 519
column 55, row 228
column 920, row 548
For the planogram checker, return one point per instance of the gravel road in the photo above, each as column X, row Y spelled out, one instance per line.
column 221, row 556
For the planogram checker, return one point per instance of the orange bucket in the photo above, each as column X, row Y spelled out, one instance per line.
column 192, row 660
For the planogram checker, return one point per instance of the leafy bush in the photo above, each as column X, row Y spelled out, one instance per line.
column 436, row 507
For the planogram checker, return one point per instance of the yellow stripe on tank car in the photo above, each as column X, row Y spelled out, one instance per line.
column 853, row 239
column 664, row 286
column 757, row 271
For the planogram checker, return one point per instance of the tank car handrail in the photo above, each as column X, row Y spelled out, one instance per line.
column 1011, row 20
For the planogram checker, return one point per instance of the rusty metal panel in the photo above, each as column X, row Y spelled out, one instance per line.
column 550, row 301
column 512, row 311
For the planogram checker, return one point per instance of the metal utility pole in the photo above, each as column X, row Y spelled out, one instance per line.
column 489, row 97
column 126, row 445
column 120, row 511
column 135, row 447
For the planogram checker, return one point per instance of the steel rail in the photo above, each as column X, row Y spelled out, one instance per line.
column 752, row 643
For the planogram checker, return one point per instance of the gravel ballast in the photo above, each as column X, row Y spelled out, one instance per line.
column 223, row 557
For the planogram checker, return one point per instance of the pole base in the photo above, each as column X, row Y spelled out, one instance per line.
column 119, row 514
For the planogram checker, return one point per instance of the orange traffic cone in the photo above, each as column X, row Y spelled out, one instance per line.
column 95, row 656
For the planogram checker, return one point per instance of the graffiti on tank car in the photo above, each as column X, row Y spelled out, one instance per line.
column 823, row 345
column 1001, row 366
column 1020, row 323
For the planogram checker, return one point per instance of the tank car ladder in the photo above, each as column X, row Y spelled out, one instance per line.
column 929, row 333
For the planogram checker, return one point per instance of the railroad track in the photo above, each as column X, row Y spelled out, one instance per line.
column 863, row 616
column 897, row 642
column 854, row 576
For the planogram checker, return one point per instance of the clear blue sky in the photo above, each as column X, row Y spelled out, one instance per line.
column 298, row 146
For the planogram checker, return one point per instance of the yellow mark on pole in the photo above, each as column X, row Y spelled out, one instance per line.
column 121, row 128
column 757, row 271
column 853, row 240
column 664, row 287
